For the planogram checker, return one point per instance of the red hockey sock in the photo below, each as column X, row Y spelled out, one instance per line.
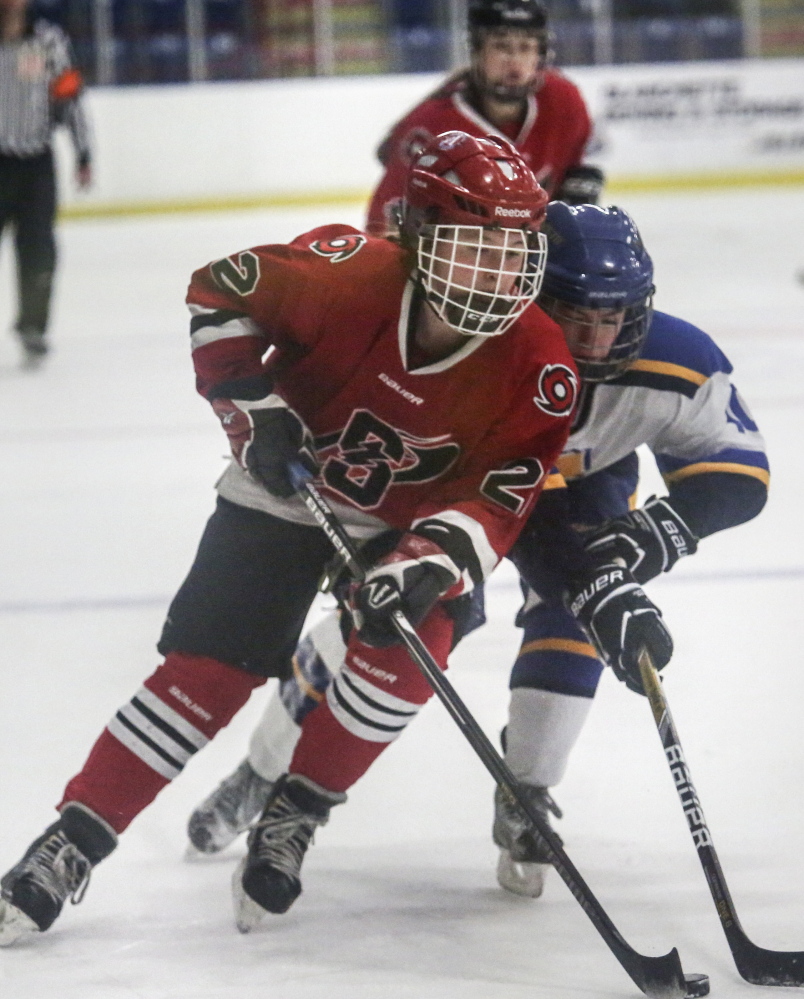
column 370, row 701
column 147, row 743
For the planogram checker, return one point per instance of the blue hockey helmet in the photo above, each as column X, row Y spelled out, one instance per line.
column 596, row 261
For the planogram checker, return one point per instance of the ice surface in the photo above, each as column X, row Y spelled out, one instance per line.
column 108, row 460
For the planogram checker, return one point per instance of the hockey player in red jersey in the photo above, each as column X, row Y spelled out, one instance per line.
column 431, row 397
column 507, row 90
column 647, row 379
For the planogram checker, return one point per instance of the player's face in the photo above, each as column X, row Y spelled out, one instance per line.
column 510, row 63
column 590, row 333
column 480, row 280
column 479, row 262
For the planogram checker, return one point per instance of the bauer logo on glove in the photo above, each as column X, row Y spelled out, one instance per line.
column 620, row 620
column 649, row 540
column 603, row 582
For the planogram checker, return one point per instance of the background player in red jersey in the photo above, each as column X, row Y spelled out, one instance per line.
column 507, row 90
column 417, row 379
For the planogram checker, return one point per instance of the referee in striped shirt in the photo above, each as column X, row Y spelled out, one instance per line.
column 39, row 89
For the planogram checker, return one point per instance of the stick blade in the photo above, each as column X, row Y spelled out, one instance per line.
column 760, row 966
column 658, row 977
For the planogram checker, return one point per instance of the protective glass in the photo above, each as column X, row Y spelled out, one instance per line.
column 603, row 342
column 478, row 280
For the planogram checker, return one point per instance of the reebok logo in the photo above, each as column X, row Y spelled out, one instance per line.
column 512, row 213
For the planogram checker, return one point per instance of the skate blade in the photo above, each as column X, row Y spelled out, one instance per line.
column 521, row 878
column 14, row 924
column 248, row 915
column 195, row 856
column 32, row 362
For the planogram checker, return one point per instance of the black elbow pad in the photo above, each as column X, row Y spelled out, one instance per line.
column 582, row 185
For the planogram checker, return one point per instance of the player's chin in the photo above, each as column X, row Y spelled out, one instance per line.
column 477, row 314
column 512, row 93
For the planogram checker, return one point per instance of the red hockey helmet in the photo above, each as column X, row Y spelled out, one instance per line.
column 462, row 180
column 472, row 210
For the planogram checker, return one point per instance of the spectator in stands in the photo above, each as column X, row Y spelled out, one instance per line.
column 40, row 88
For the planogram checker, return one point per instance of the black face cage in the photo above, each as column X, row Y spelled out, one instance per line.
column 625, row 349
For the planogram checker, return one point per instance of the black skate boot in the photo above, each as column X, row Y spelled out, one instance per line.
column 268, row 879
column 55, row 867
column 229, row 810
column 524, row 860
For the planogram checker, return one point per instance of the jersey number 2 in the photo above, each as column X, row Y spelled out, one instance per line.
column 510, row 487
column 240, row 277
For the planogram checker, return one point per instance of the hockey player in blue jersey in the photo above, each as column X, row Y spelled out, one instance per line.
column 648, row 378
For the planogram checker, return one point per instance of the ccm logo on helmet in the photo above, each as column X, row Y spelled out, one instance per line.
column 338, row 249
column 514, row 213
column 558, row 390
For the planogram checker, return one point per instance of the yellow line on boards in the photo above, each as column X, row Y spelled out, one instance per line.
column 706, row 181
column 293, row 199
column 308, row 199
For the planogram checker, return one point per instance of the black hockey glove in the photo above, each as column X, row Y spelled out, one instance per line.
column 649, row 540
column 412, row 577
column 265, row 435
column 620, row 620
column 581, row 185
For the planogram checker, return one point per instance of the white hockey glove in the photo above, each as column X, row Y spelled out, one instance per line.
column 412, row 577
column 620, row 620
column 265, row 435
column 649, row 540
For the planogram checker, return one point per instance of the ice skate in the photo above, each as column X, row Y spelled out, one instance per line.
column 56, row 867
column 227, row 811
column 34, row 344
column 268, row 880
column 524, row 861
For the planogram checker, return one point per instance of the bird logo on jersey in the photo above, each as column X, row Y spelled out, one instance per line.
column 339, row 248
column 367, row 457
column 558, row 390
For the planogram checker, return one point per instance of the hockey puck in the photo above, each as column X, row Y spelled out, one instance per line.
column 697, row 985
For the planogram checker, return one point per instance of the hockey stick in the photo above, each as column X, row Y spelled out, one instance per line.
column 658, row 977
column 756, row 964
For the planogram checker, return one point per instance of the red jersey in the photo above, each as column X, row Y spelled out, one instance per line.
column 465, row 440
column 552, row 137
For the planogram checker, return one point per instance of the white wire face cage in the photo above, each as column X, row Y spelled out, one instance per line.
column 480, row 280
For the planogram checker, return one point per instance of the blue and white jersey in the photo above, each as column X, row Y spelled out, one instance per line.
column 679, row 400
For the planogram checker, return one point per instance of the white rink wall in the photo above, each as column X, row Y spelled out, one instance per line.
column 306, row 141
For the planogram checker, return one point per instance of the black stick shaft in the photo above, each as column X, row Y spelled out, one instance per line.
column 756, row 964
column 658, row 977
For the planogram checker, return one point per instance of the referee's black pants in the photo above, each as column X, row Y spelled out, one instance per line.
column 28, row 202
